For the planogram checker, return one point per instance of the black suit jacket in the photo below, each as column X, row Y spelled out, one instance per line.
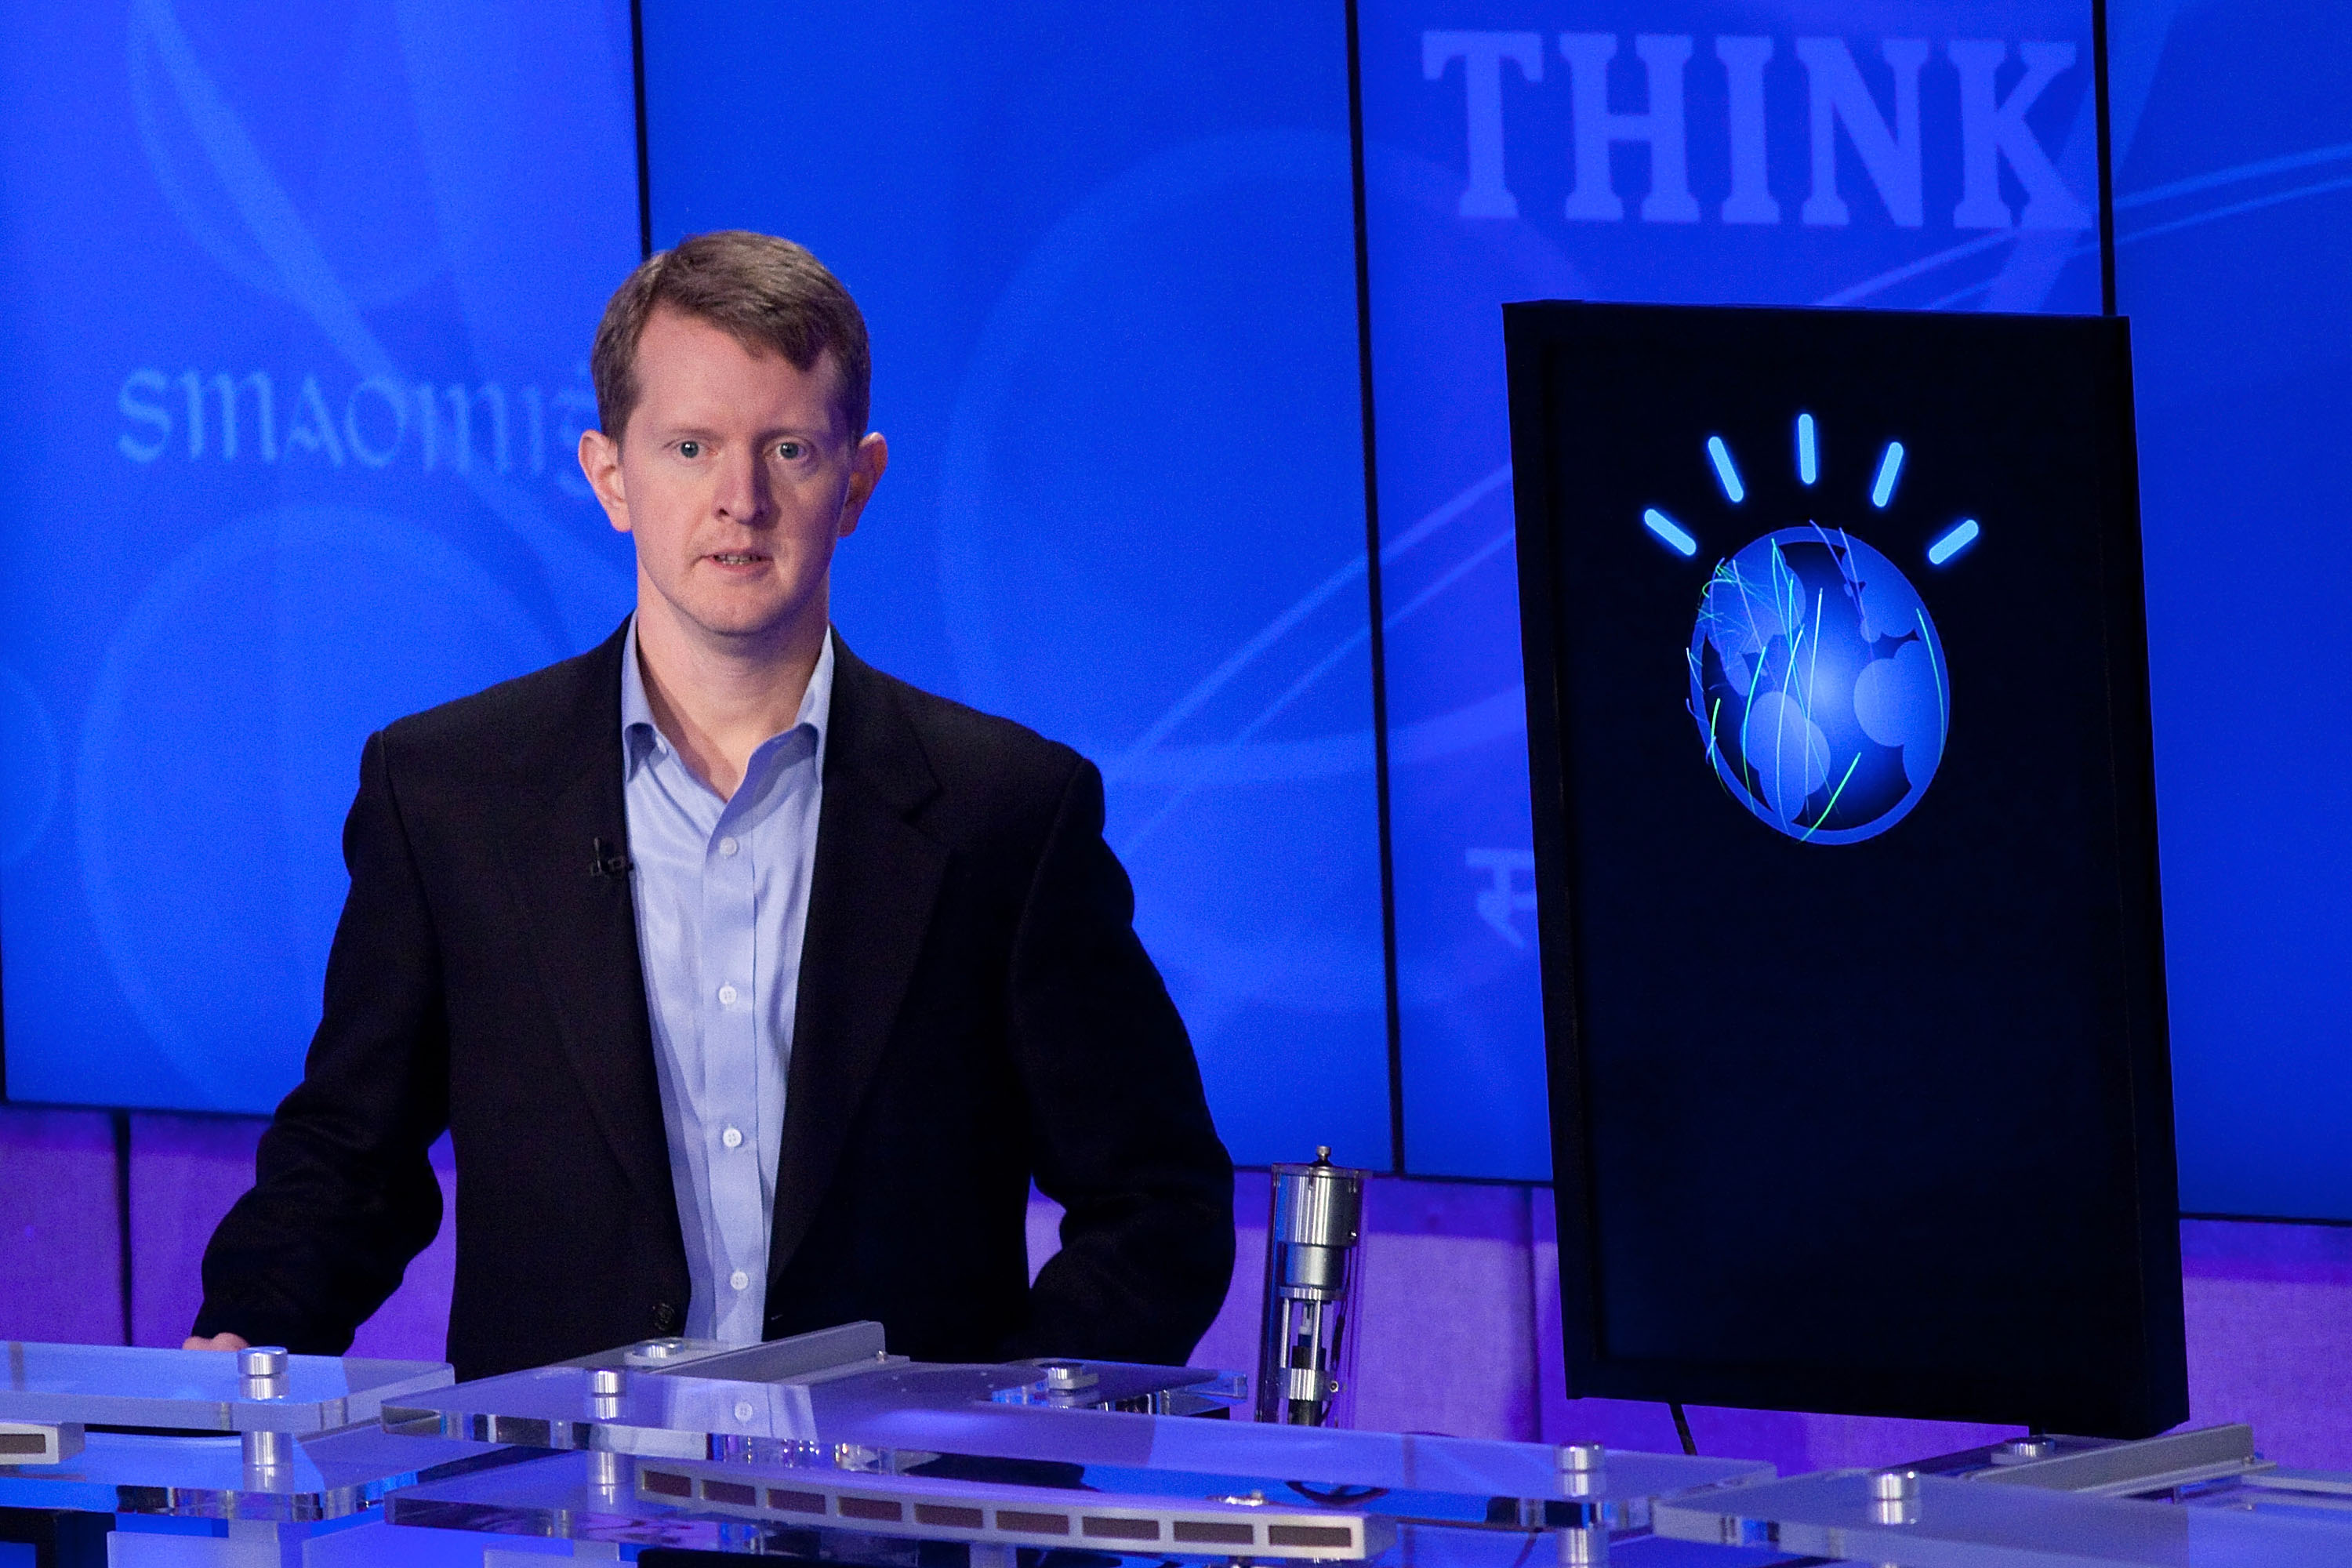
column 974, row 1009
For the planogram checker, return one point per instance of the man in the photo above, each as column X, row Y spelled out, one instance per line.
column 752, row 985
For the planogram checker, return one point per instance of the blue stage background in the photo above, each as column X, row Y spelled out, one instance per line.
column 298, row 302
column 2234, row 215
column 1108, row 259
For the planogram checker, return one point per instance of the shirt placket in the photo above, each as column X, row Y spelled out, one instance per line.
column 731, row 1058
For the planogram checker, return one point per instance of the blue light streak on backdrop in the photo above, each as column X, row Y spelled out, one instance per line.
column 299, row 300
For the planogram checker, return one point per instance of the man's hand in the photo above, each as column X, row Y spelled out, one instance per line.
column 217, row 1342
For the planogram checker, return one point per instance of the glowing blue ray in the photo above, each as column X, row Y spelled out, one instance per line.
column 1733, row 490
column 1813, row 670
column 1673, row 532
column 1943, row 698
column 1882, row 488
column 1809, row 456
column 1824, row 816
column 1953, row 542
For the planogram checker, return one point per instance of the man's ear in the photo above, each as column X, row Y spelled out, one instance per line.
column 600, row 459
column 866, row 465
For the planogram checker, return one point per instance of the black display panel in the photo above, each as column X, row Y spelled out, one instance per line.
column 1845, row 856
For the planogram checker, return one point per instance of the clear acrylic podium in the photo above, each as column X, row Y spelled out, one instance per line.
column 827, row 1448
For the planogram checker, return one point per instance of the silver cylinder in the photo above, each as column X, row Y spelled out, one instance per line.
column 1307, row 1344
column 269, row 1450
column 1894, row 1496
column 263, row 1370
column 1583, row 1469
column 1320, row 1205
column 1584, row 1548
column 262, row 1361
column 263, row 1373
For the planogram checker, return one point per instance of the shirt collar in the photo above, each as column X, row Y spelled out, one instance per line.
column 641, row 737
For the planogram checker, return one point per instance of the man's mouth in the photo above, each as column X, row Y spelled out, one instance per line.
column 737, row 558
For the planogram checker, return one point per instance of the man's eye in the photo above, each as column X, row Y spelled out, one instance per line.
column 689, row 449
column 790, row 450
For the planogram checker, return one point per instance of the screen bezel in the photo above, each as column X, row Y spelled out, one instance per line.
column 2145, row 1390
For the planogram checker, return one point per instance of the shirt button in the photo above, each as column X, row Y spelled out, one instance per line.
column 732, row 1137
column 728, row 847
column 727, row 996
column 740, row 1281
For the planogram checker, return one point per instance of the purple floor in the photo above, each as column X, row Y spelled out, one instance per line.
column 1461, row 1308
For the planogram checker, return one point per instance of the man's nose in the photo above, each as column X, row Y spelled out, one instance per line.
column 744, row 491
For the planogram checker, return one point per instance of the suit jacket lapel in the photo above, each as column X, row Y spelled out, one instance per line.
column 580, row 922
column 870, row 898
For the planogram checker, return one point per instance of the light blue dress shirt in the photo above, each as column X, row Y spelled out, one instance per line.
column 721, row 891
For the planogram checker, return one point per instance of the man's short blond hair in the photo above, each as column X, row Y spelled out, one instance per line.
column 768, row 294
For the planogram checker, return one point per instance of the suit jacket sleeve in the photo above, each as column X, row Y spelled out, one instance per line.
column 344, row 1194
column 1122, row 1135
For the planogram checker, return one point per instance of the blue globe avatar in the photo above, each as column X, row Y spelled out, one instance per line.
column 1818, row 685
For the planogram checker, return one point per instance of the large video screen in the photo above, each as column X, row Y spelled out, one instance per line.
column 1106, row 253
column 1767, row 151
column 295, row 351
column 299, row 308
column 2233, row 214
column 1845, row 859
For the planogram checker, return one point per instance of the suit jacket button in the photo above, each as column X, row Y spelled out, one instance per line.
column 665, row 1318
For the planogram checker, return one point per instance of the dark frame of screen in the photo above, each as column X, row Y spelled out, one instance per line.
column 2146, row 1390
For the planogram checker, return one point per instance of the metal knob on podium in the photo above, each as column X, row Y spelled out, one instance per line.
column 1306, row 1375
column 263, row 1373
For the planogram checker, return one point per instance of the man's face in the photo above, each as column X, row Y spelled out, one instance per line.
column 737, row 475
